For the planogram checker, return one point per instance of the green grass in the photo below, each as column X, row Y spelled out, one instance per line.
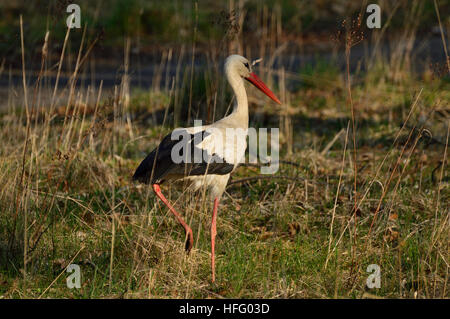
column 272, row 237
column 66, row 194
column 173, row 21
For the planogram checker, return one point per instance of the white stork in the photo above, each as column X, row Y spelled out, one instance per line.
column 219, row 154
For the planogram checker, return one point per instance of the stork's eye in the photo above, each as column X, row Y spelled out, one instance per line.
column 246, row 65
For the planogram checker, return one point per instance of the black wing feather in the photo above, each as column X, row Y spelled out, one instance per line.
column 164, row 164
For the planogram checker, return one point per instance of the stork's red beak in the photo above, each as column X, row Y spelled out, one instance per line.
column 256, row 81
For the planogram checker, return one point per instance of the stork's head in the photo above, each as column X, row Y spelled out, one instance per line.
column 238, row 65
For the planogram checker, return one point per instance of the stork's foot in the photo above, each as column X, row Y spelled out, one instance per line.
column 189, row 241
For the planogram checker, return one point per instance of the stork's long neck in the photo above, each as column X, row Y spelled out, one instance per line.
column 240, row 111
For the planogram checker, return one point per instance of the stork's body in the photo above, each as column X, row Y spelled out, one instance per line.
column 214, row 150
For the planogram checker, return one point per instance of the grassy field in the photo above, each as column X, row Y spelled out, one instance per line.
column 66, row 194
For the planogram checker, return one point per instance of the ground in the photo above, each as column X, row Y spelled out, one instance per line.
column 67, row 197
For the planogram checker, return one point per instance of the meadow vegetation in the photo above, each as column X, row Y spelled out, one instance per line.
column 66, row 162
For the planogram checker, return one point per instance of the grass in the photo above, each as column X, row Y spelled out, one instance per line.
column 273, row 236
column 67, row 196
column 159, row 24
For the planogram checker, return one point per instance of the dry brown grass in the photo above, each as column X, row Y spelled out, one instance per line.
column 363, row 180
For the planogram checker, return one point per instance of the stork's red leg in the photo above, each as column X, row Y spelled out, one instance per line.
column 190, row 236
column 213, row 238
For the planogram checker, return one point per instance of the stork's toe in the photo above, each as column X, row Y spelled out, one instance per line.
column 189, row 242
